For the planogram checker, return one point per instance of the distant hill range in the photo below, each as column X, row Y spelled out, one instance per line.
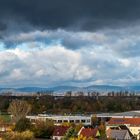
column 59, row 89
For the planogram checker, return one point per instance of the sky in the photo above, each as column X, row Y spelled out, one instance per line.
column 48, row 43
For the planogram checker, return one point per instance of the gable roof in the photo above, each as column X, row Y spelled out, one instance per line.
column 116, row 134
column 60, row 130
column 131, row 121
column 89, row 132
column 124, row 127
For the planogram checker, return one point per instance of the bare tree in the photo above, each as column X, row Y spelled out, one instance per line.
column 19, row 109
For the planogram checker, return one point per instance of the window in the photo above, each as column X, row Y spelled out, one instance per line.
column 59, row 121
column 83, row 121
column 71, row 121
column 77, row 121
column 65, row 120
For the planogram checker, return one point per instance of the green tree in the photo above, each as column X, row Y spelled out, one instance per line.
column 70, row 133
column 22, row 125
column 43, row 129
column 94, row 120
column 102, row 130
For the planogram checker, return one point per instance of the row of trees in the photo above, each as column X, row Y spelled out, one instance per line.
column 81, row 104
column 24, row 129
column 20, row 109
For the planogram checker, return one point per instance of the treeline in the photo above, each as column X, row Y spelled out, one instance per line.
column 79, row 104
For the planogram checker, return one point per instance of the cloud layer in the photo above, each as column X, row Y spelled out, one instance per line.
column 74, row 14
column 77, row 42
column 61, row 57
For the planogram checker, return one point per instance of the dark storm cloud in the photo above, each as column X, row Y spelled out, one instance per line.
column 82, row 14
column 2, row 26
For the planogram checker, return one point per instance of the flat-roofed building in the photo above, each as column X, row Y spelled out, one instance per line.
column 59, row 119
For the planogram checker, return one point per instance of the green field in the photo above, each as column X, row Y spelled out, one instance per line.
column 5, row 118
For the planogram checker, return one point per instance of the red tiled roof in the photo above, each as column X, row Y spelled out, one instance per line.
column 60, row 130
column 89, row 132
column 131, row 121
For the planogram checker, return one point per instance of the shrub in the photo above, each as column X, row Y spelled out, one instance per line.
column 26, row 135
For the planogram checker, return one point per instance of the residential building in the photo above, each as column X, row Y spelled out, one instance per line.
column 59, row 132
column 133, row 124
column 89, row 133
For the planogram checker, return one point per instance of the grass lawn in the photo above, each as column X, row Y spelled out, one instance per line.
column 6, row 118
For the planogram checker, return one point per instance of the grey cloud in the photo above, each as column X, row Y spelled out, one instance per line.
column 69, row 39
column 83, row 14
column 2, row 26
column 20, row 18
column 122, row 42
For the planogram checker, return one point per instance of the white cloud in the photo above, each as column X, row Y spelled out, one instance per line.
column 48, row 65
column 67, row 57
column 125, row 62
